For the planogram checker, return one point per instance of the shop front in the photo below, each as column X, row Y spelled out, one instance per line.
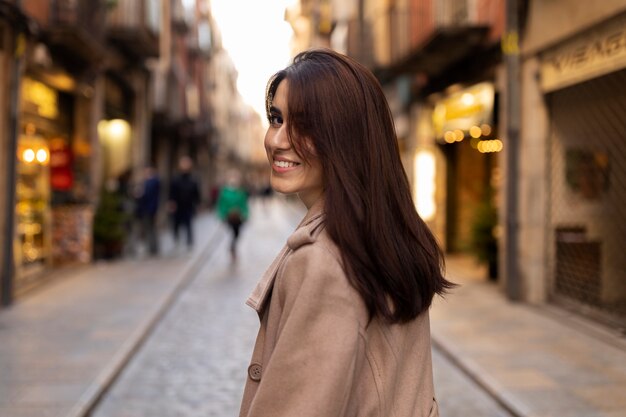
column 52, row 216
column 32, row 211
column 466, row 134
column 584, row 82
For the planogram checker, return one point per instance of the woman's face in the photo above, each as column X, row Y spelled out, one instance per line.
column 290, row 174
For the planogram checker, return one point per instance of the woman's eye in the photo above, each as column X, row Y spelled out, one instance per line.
column 275, row 120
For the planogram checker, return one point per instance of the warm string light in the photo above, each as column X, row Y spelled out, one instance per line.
column 488, row 146
column 475, row 133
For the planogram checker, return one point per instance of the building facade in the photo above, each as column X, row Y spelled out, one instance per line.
column 14, row 32
column 94, row 90
column 50, row 138
column 182, row 117
column 438, row 63
column 444, row 67
column 572, row 181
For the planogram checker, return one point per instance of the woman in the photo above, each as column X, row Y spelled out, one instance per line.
column 344, row 307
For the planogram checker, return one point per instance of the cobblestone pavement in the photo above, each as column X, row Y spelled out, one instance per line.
column 194, row 364
column 458, row 395
column 63, row 341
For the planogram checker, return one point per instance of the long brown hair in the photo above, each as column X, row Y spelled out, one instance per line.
column 390, row 256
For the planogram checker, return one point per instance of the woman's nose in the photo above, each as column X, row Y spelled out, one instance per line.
column 277, row 138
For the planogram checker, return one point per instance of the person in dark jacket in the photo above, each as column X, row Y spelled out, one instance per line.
column 183, row 199
column 147, row 208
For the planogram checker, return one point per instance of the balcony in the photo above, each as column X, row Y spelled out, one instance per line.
column 72, row 28
column 182, row 17
column 10, row 12
column 168, row 100
column 134, row 26
column 201, row 43
column 430, row 37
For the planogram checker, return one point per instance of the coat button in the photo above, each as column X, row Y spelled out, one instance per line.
column 254, row 372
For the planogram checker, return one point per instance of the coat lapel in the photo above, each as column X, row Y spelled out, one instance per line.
column 259, row 295
column 263, row 289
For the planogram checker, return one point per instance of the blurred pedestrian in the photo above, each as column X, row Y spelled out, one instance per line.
column 126, row 190
column 147, row 207
column 344, row 307
column 232, row 207
column 184, row 198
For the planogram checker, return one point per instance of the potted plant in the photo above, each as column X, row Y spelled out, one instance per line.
column 109, row 225
column 484, row 244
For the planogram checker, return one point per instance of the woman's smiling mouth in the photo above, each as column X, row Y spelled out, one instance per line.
column 285, row 164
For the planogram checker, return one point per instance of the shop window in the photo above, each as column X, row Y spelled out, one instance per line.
column 587, row 172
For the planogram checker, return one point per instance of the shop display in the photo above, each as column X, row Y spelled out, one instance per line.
column 71, row 233
column 33, row 202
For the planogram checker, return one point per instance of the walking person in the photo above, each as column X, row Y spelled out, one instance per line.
column 183, row 200
column 232, row 208
column 147, row 207
column 344, row 325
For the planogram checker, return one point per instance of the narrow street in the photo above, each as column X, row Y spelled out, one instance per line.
column 121, row 120
column 194, row 363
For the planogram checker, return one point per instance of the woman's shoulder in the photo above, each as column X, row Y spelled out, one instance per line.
column 312, row 239
column 314, row 271
column 316, row 259
column 320, row 249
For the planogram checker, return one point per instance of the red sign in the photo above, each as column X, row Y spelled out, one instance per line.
column 61, row 174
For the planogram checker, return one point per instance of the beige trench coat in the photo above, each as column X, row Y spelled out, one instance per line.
column 317, row 355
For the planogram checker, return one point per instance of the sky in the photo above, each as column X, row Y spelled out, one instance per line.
column 256, row 37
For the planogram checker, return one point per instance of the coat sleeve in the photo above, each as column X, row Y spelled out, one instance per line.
column 312, row 367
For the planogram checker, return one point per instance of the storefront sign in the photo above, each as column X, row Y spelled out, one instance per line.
column 61, row 175
column 589, row 55
column 472, row 106
column 43, row 97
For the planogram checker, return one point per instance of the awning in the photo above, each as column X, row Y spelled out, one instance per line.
column 445, row 47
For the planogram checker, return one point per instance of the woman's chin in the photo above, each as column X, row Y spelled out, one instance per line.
column 279, row 187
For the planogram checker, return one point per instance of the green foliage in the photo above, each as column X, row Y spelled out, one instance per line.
column 111, row 4
column 483, row 241
column 110, row 220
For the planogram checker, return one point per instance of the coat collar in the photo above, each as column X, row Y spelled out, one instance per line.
column 305, row 233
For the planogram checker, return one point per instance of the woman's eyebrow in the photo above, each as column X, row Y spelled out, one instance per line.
column 274, row 109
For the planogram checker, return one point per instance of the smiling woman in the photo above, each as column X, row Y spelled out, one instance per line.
column 344, row 307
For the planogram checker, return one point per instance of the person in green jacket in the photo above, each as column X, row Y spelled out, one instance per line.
column 232, row 207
